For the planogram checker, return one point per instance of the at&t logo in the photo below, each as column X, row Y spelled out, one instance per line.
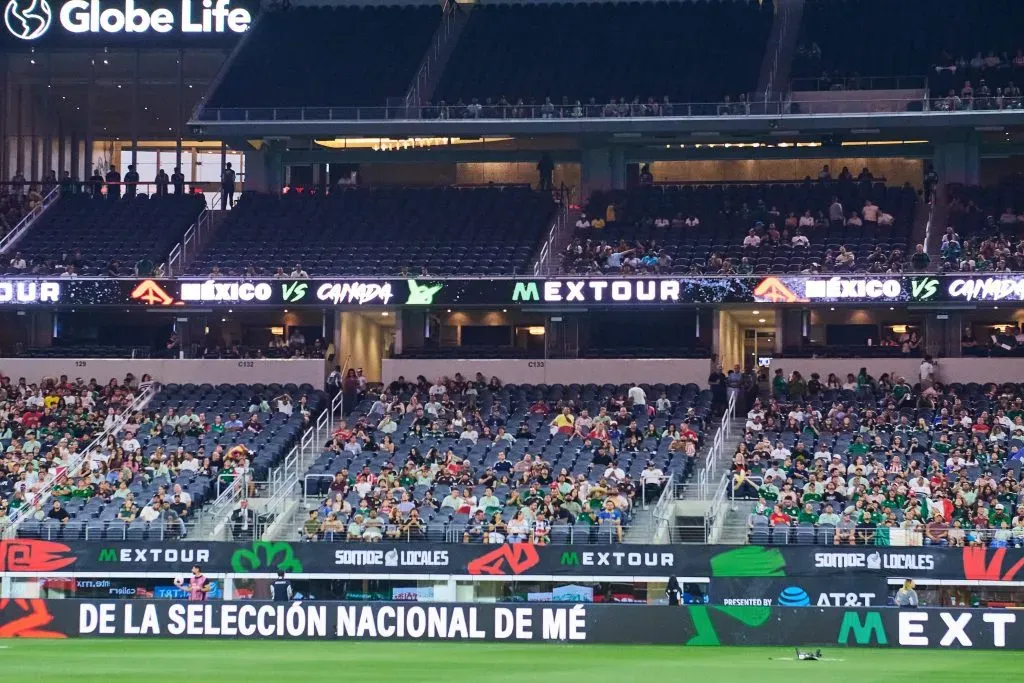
column 27, row 19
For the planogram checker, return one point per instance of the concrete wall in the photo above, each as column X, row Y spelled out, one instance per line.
column 896, row 171
column 856, row 101
column 581, row 371
column 361, row 342
column 949, row 369
column 168, row 371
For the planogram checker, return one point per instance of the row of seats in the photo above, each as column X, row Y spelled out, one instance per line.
column 104, row 237
column 449, row 231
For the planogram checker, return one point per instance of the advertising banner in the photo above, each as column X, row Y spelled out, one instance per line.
column 545, row 622
column 600, row 291
column 67, row 24
column 49, row 558
column 766, row 591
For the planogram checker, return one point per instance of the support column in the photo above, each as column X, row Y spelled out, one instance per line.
column 958, row 162
column 90, row 98
column 75, row 159
column 181, row 109
column 135, row 111
column 48, row 121
column 19, row 130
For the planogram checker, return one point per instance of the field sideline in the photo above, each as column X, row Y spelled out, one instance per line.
column 198, row 661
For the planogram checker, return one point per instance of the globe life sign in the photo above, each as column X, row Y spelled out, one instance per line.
column 31, row 19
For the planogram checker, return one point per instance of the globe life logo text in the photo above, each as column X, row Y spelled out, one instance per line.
column 91, row 16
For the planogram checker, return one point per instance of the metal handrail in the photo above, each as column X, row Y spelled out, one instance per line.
column 707, row 472
column 147, row 391
column 453, row 114
column 26, row 221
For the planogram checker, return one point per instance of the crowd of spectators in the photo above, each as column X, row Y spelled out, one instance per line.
column 806, row 237
column 471, row 460
column 44, row 429
column 985, row 230
column 986, row 81
column 621, row 107
column 879, row 461
column 153, row 469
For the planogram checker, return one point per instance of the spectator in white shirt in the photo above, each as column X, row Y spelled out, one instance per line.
column 780, row 452
column 469, row 434
column 582, row 223
column 822, row 452
column 150, row 513
column 131, row 444
column 284, row 405
column 615, row 472
column 663, row 405
column 754, row 424
column 638, row 397
column 692, row 222
column 807, row 220
column 800, row 240
column 920, row 485
column 751, row 241
column 18, row 262
column 298, row 271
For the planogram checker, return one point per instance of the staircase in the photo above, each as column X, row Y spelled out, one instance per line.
column 558, row 236
column 25, row 224
column 733, row 527
column 280, row 495
column 454, row 18
column 777, row 62
column 714, row 463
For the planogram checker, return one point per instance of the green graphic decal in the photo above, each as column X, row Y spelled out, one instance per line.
column 863, row 632
column 108, row 555
column 422, row 295
column 293, row 292
column 569, row 559
column 265, row 556
column 749, row 615
column 923, row 289
column 525, row 291
column 751, row 560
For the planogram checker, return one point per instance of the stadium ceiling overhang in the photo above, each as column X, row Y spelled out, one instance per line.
column 425, row 292
column 899, row 125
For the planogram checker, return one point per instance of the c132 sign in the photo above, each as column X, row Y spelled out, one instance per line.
column 31, row 19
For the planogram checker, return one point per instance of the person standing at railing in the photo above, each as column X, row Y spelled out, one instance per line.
column 113, row 183
column 131, row 182
column 227, row 188
column 178, row 180
column 96, row 184
column 162, row 181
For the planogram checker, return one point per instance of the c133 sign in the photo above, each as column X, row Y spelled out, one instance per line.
column 32, row 19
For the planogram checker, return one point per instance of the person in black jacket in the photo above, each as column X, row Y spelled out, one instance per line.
column 281, row 589
column 674, row 592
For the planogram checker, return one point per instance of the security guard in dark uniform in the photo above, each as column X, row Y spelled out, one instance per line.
column 281, row 589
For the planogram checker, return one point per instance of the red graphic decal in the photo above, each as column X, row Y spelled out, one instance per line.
column 978, row 568
column 511, row 558
column 33, row 556
column 29, row 618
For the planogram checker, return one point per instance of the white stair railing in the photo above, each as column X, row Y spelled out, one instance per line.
column 26, row 222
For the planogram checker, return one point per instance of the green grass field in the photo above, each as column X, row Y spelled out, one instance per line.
column 197, row 661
